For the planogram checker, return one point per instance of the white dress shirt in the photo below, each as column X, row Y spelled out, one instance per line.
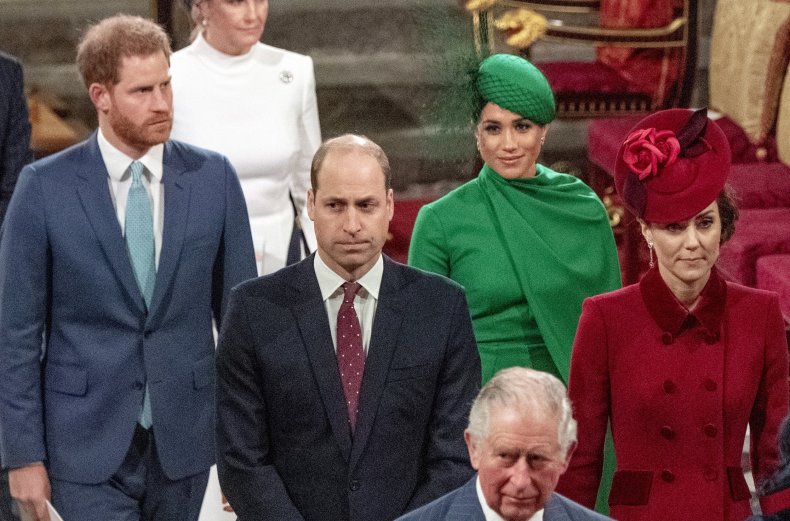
column 489, row 512
column 120, row 180
column 364, row 304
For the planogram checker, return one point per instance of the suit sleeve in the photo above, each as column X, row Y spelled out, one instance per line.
column 24, row 288
column 235, row 260
column 246, row 473
column 771, row 405
column 589, row 391
column 428, row 249
column 309, row 138
column 446, row 458
column 15, row 151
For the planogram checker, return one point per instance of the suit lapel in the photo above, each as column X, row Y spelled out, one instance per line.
column 383, row 341
column 466, row 506
column 94, row 193
column 176, row 212
column 314, row 326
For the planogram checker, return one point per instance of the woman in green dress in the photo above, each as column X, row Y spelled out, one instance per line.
column 527, row 243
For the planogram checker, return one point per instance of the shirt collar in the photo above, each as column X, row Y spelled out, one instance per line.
column 672, row 317
column 117, row 162
column 329, row 282
column 490, row 514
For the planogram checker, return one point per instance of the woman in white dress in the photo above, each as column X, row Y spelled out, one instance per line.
column 255, row 104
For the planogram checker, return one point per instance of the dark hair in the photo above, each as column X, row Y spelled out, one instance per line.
column 350, row 142
column 728, row 213
column 104, row 45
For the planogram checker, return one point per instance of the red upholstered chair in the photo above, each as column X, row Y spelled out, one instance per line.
column 401, row 226
column 750, row 49
column 645, row 50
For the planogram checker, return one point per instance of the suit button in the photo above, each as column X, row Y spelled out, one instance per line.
column 710, row 430
column 354, row 485
column 138, row 386
column 670, row 387
column 710, row 385
column 666, row 337
column 710, row 474
column 667, row 432
column 667, row 476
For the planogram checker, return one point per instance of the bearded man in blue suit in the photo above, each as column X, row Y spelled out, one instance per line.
column 521, row 437
column 118, row 252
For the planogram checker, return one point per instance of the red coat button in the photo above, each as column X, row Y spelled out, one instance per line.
column 710, row 474
column 666, row 337
column 670, row 387
column 710, row 385
column 667, row 476
column 710, row 430
column 667, row 432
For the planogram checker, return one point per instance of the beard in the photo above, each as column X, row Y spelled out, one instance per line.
column 153, row 131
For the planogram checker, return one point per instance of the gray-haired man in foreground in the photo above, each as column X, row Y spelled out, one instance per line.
column 521, row 436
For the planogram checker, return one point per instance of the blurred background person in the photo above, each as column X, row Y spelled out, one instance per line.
column 779, row 482
column 14, row 154
column 255, row 104
column 683, row 361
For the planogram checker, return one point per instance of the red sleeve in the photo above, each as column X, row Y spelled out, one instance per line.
column 589, row 391
column 771, row 405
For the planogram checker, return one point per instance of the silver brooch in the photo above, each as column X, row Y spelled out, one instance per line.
column 286, row 76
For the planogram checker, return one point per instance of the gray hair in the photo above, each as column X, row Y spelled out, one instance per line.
column 526, row 390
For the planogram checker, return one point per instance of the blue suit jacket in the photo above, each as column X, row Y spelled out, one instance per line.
column 65, row 272
column 14, row 128
column 285, row 450
column 462, row 504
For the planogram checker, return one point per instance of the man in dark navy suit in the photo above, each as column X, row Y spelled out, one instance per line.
column 344, row 380
column 119, row 251
column 521, row 436
column 14, row 154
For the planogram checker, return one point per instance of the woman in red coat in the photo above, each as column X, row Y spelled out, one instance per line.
column 683, row 361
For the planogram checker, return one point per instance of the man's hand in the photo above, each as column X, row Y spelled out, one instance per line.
column 29, row 485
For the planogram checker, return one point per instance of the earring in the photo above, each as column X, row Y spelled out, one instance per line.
column 542, row 140
column 650, row 250
column 204, row 22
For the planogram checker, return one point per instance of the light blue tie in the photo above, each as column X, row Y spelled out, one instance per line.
column 139, row 233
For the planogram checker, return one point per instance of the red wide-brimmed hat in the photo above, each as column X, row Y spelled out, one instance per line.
column 672, row 165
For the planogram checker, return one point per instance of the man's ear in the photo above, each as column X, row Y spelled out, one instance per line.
column 100, row 97
column 473, row 448
column 569, row 455
column 311, row 204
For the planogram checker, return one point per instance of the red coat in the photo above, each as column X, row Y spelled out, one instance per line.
column 680, row 390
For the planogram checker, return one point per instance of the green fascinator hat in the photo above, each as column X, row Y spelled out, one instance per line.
column 515, row 84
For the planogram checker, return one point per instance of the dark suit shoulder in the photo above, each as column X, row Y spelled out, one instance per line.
column 424, row 280
column 573, row 510
column 438, row 509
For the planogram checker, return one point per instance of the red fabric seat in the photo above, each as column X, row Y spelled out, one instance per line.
column 761, row 185
column 401, row 226
column 759, row 232
column 773, row 274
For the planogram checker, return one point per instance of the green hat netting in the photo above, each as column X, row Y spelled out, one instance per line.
column 515, row 84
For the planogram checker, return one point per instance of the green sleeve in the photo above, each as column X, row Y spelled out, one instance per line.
column 428, row 248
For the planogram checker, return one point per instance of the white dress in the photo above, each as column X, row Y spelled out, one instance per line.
column 258, row 109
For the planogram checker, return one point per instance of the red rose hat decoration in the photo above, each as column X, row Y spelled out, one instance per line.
column 672, row 165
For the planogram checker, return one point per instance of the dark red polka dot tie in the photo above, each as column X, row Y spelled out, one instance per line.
column 350, row 353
